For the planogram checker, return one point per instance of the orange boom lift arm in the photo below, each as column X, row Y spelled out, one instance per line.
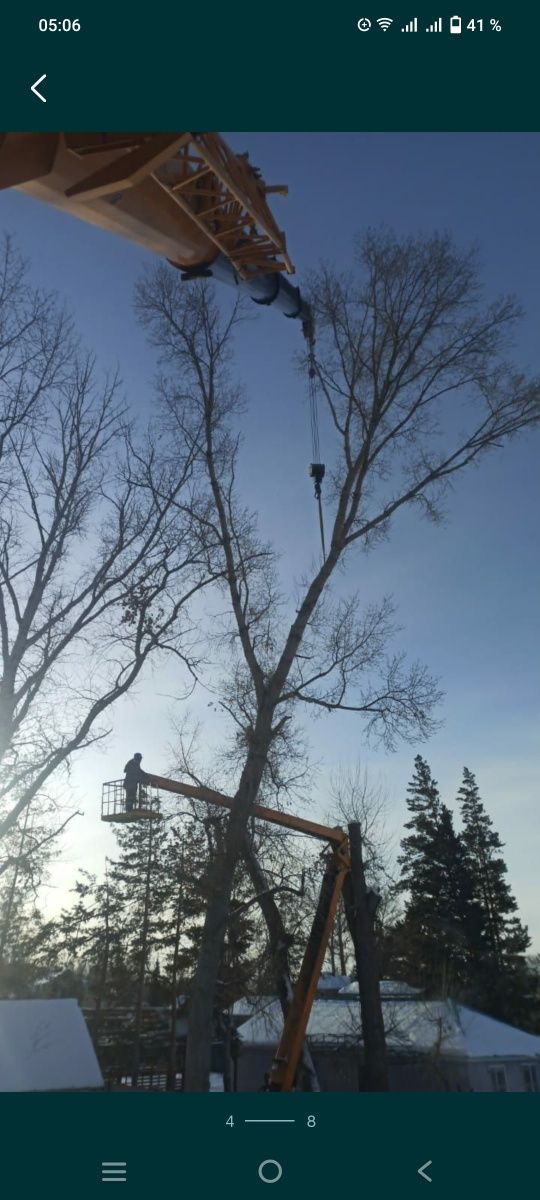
column 287, row 1056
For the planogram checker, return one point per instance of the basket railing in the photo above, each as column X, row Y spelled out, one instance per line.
column 114, row 799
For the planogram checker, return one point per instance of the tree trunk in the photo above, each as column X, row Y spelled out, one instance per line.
column 171, row 1081
column 341, row 943
column 360, row 920
column 227, row 1056
column 221, row 877
column 279, row 943
column 102, row 981
column 332, row 949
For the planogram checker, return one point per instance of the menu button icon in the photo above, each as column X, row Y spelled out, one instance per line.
column 114, row 1172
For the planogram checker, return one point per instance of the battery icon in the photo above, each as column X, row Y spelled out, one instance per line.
column 455, row 24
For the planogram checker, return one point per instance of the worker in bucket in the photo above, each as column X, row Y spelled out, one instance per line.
column 134, row 776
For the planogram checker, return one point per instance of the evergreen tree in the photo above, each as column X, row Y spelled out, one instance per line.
column 418, row 872
column 439, row 934
column 26, row 961
column 26, row 853
column 183, row 865
column 142, row 881
column 189, row 852
column 502, row 974
column 533, row 1016
column 23, row 931
column 86, row 942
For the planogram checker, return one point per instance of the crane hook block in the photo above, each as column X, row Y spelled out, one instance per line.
column 317, row 472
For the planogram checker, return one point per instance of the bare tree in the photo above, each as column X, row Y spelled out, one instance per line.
column 97, row 565
column 410, row 362
column 356, row 796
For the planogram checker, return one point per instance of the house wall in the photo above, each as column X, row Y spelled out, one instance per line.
column 341, row 1071
column 428, row 1076
column 481, row 1078
column 252, row 1063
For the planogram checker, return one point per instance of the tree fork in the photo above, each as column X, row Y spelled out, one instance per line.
column 279, row 943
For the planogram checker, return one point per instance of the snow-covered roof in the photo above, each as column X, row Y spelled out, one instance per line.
column 332, row 983
column 388, row 987
column 45, row 1046
column 249, row 1006
column 485, row 1037
column 411, row 1026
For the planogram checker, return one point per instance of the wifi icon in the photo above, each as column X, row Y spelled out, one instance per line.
column 385, row 22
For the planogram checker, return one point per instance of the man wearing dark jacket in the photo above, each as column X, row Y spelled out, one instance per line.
column 133, row 777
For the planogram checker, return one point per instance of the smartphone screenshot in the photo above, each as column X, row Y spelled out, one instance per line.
column 269, row 577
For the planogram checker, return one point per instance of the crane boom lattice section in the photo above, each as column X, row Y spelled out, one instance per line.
column 226, row 197
column 184, row 194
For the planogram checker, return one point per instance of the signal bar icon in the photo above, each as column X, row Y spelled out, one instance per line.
column 411, row 26
column 436, row 27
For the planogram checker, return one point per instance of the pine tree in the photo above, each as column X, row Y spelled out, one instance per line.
column 25, row 959
column 87, row 939
column 503, row 971
column 183, row 864
column 139, row 874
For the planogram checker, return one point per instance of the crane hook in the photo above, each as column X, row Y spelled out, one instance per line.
column 316, row 469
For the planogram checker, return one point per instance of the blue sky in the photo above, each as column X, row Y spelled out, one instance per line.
column 466, row 592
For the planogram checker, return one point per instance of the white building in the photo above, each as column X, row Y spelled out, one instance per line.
column 433, row 1045
column 45, row 1047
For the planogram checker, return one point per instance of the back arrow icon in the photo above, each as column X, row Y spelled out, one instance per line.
column 422, row 1171
column 34, row 88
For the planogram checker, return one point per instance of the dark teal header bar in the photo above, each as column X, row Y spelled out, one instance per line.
column 279, row 66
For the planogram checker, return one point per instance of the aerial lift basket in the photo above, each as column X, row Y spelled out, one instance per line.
column 113, row 803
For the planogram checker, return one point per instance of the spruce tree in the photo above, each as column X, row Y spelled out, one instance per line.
column 439, row 935
column 503, row 970
column 418, row 873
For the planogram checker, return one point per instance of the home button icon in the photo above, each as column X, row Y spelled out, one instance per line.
column 270, row 1171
